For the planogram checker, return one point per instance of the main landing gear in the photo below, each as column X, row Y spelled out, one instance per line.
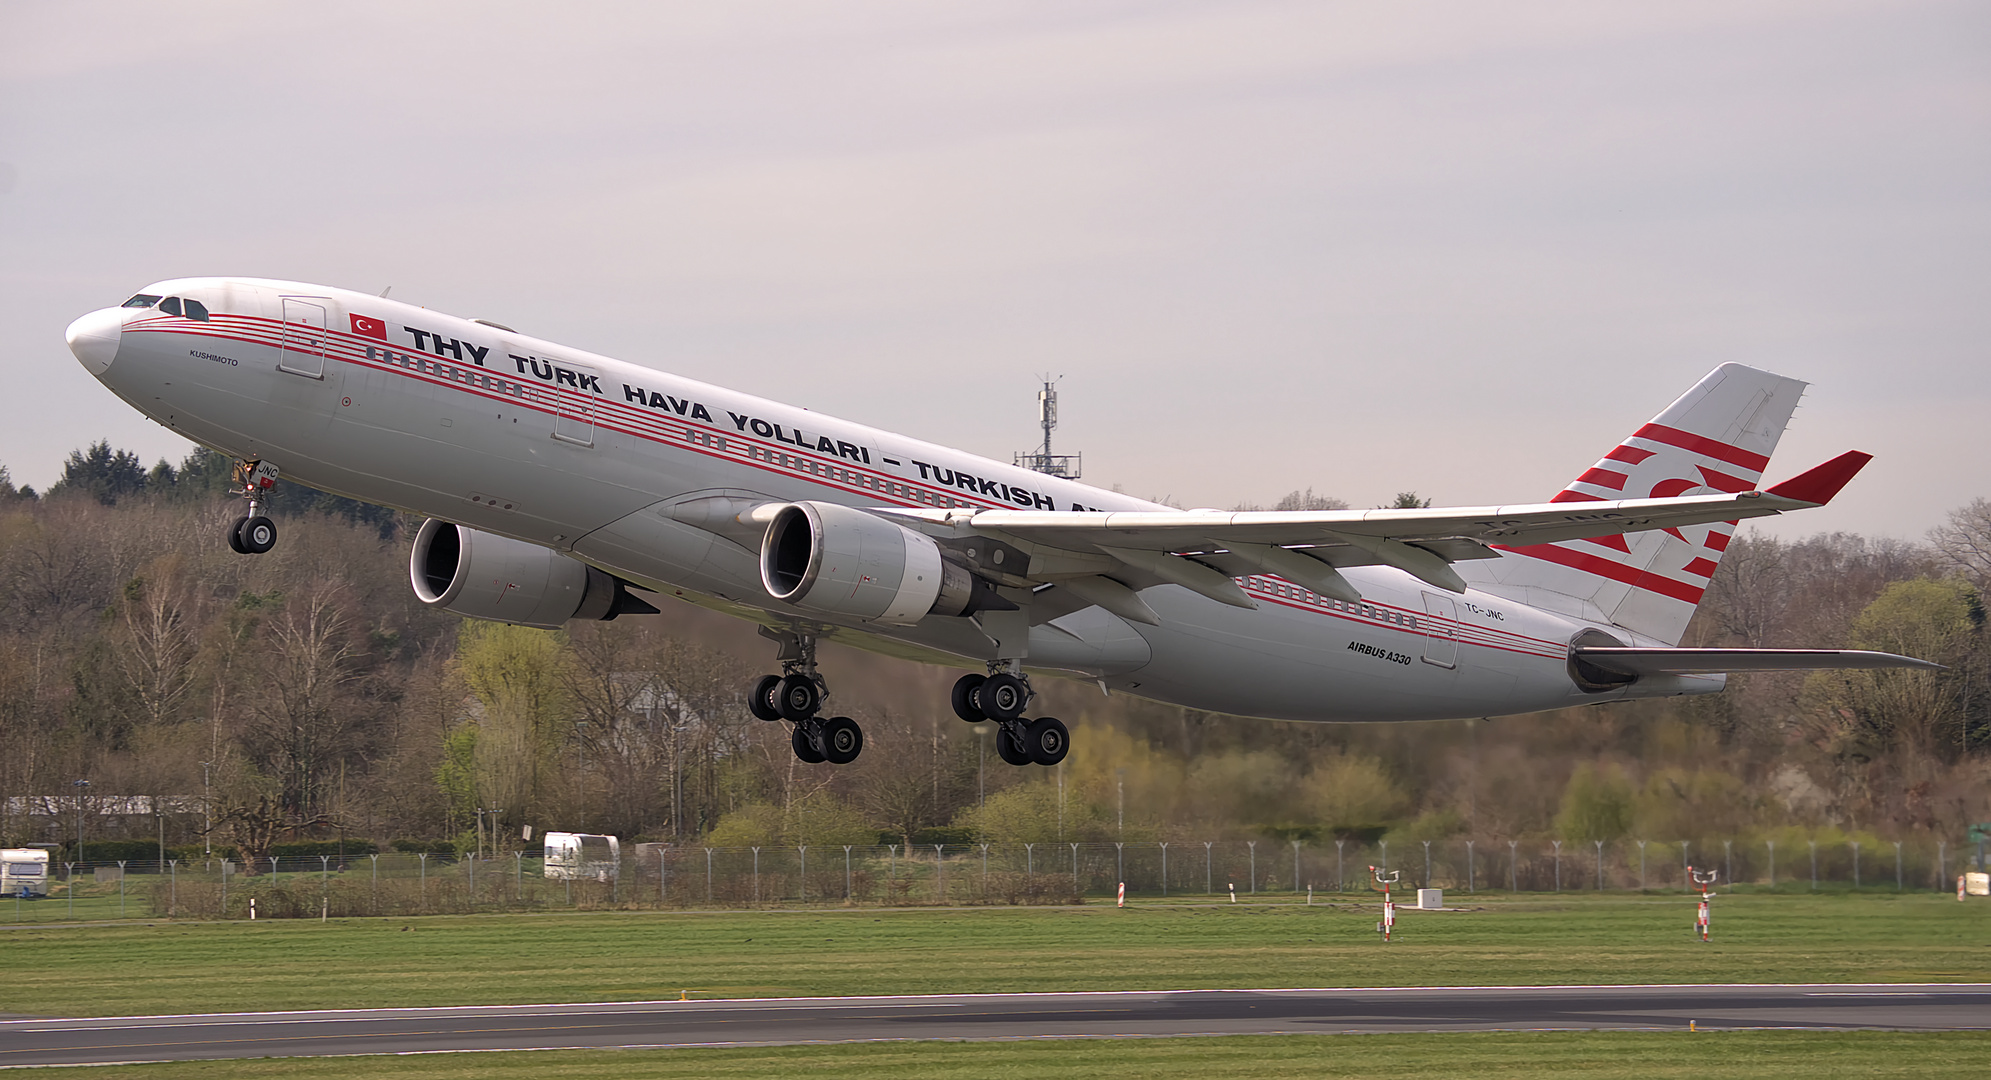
column 1001, row 696
column 253, row 533
column 796, row 695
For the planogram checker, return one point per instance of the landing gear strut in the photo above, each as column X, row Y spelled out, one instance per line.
column 1001, row 696
column 796, row 695
column 253, row 533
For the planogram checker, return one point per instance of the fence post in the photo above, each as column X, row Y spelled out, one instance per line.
column 1469, row 867
column 802, row 891
column 1814, row 865
column 121, row 888
column 375, row 859
column 1209, row 883
column 425, row 878
column 1427, row 864
column 708, row 875
column 663, row 872
column 1558, row 864
column 1641, row 866
column 1686, row 872
column 846, row 872
column 756, row 875
column 1296, row 866
column 1338, row 854
column 1253, row 845
column 940, row 873
column 173, row 896
column 1856, row 865
column 985, row 870
column 1120, row 862
column 1773, row 862
column 1076, row 890
column 1728, row 861
column 518, row 874
column 1029, row 862
column 1600, row 864
column 1513, row 874
column 1164, row 865
column 1897, row 866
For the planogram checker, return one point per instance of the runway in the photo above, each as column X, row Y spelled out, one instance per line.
column 771, row 1022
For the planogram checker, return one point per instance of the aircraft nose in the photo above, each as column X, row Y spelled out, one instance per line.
column 94, row 339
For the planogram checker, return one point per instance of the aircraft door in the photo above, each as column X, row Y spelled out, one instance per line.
column 574, row 418
column 1441, row 630
column 303, row 348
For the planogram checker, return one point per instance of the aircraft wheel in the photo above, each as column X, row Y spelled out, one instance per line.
column 967, row 699
column 805, row 747
column 798, row 698
column 843, row 740
column 1009, row 749
column 760, row 701
column 235, row 536
column 1046, row 740
column 1003, row 697
column 257, row 534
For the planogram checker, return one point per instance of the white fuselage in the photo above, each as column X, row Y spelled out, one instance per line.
column 500, row 432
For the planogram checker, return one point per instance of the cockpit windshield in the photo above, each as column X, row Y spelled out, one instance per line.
column 170, row 305
column 141, row 300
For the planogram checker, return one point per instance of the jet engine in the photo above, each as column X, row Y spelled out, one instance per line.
column 485, row 576
column 841, row 561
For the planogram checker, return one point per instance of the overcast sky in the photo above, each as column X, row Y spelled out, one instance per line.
column 1460, row 248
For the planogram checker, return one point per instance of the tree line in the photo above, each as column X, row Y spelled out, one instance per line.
column 306, row 695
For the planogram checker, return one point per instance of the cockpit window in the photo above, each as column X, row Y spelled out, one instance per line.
column 170, row 305
column 196, row 310
column 142, row 300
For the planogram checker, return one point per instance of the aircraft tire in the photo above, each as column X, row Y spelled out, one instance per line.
column 235, row 536
column 1008, row 749
column 799, row 698
column 1046, row 740
column 760, row 701
column 843, row 740
column 805, row 747
column 1003, row 697
column 257, row 534
column 967, row 702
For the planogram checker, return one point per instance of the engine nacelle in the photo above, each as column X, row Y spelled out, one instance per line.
column 841, row 561
column 485, row 576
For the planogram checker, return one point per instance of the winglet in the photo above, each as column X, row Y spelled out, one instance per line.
column 1820, row 484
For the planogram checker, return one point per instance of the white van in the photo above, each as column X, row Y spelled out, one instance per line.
column 582, row 856
column 23, row 872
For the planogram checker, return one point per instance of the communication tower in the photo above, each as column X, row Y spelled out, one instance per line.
column 1042, row 460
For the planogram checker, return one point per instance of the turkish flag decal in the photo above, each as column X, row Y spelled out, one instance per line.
column 372, row 328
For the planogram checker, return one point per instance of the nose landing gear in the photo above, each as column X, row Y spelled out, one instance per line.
column 796, row 695
column 253, row 533
column 1001, row 696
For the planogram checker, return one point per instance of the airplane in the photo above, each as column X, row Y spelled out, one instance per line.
column 556, row 484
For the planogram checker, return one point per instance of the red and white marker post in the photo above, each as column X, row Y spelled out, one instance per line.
column 1702, row 880
column 1389, row 906
column 1123, row 895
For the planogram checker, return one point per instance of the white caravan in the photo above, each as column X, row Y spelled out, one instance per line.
column 582, row 856
column 555, row 481
column 23, row 872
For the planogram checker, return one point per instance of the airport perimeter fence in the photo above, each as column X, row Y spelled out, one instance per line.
column 690, row 876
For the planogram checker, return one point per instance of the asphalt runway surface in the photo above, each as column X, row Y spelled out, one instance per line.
column 26, row 1041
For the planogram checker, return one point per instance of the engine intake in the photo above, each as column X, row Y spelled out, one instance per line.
column 485, row 576
column 842, row 561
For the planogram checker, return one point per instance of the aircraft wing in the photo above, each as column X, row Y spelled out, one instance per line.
column 1637, row 662
column 1203, row 549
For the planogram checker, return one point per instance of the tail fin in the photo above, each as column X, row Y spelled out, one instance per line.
column 1716, row 437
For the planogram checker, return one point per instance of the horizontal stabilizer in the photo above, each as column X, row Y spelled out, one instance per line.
column 1820, row 484
column 1638, row 662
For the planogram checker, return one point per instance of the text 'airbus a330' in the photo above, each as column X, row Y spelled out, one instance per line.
column 555, row 480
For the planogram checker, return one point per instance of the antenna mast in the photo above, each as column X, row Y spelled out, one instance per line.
column 1042, row 460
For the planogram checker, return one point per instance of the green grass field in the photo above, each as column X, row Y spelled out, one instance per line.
column 1755, row 1055
column 159, row 966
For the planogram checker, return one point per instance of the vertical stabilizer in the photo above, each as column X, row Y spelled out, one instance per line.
column 1717, row 437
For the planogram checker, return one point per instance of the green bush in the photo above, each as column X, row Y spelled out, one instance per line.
column 335, row 848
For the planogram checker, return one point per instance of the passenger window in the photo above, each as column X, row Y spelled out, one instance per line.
column 170, row 305
column 196, row 310
column 142, row 300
